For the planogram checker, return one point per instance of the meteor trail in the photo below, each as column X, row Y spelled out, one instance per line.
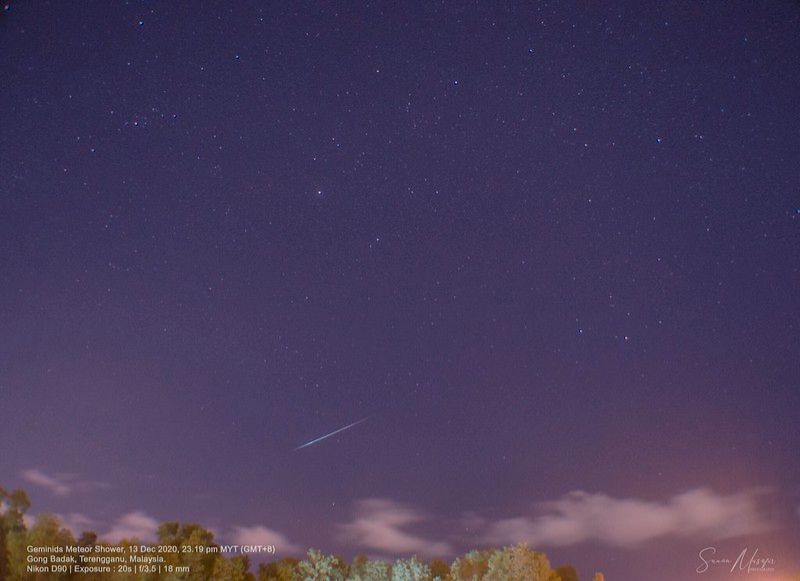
column 312, row 442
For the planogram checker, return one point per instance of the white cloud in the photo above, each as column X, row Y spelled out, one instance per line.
column 59, row 484
column 261, row 535
column 53, row 484
column 133, row 525
column 626, row 522
column 379, row 523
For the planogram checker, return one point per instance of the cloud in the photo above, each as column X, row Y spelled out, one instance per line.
column 136, row 524
column 60, row 484
column 39, row 478
column 261, row 535
column 626, row 522
column 379, row 524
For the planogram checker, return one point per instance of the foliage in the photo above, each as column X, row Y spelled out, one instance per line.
column 567, row 573
column 13, row 506
column 362, row 569
column 471, row 567
column 518, row 563
column 440, row 570
column 234, row 569
column 201, row 565
column 320, row 567
column 410, row 570
column 282, row 570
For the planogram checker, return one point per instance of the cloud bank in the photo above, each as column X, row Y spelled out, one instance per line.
column 626, row 522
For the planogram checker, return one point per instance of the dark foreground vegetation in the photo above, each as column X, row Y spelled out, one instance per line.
column 199, row 558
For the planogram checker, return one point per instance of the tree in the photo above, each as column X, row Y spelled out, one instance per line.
column 13, row 506
column 410, row 570
column 471, row 567
column 87, row 539
column 440, row 570
column 320, row 567
column 234, row 569
column 283, row 570
column 518, row 563
column 362, row 569
column 46, row 532
column 567, row 573
column 201, row 563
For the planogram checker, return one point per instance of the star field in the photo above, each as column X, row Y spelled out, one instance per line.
column 544, row 247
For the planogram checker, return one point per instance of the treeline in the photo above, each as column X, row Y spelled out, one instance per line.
column 507, row 564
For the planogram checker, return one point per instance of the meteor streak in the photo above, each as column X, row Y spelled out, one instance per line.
column 312, row 442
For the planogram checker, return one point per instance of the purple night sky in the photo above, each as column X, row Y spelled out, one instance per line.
column 549, row 250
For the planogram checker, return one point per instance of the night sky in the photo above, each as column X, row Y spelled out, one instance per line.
column 548, row 250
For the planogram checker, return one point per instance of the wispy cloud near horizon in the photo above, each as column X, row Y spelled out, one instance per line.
column 136, row 524
column 627, row 522
column 382, row 524
column 60, row 484
column 261, row 535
